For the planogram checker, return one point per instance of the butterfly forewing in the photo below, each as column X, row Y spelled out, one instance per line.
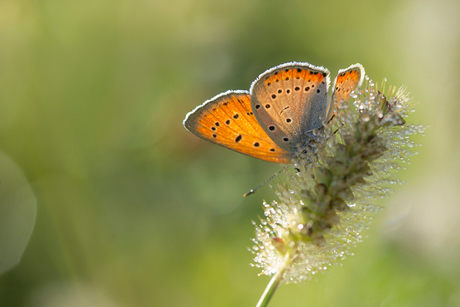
column 228, row 120
column 289, row 100
column 347, row 80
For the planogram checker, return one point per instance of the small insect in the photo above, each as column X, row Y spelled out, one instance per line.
column 274, row 121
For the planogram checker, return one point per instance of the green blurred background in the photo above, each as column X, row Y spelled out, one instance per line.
column 133, row 210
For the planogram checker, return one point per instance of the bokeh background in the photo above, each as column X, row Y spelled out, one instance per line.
column 130, row 209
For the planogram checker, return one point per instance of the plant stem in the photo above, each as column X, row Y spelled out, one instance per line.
column 271, row 287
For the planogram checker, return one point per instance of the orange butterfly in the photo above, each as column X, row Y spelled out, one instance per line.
column 277, row 116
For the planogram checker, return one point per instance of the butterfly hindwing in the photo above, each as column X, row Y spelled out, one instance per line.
column 228, row 120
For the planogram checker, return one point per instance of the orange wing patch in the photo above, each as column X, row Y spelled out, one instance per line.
column 347, row 80
column 294, row 73
column 227, row 120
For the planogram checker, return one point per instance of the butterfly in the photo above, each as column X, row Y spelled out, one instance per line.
column 276, row 119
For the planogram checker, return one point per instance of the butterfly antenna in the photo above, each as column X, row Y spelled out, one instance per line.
column 332, row 117
column 263, row 183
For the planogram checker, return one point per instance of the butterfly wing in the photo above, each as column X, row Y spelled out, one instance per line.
column 290, row 100
column 347, row 80
column 227, row 120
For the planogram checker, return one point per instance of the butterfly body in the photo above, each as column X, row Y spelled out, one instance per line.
column 274, row 121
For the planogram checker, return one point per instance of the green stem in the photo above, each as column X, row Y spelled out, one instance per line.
column 271, row 287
